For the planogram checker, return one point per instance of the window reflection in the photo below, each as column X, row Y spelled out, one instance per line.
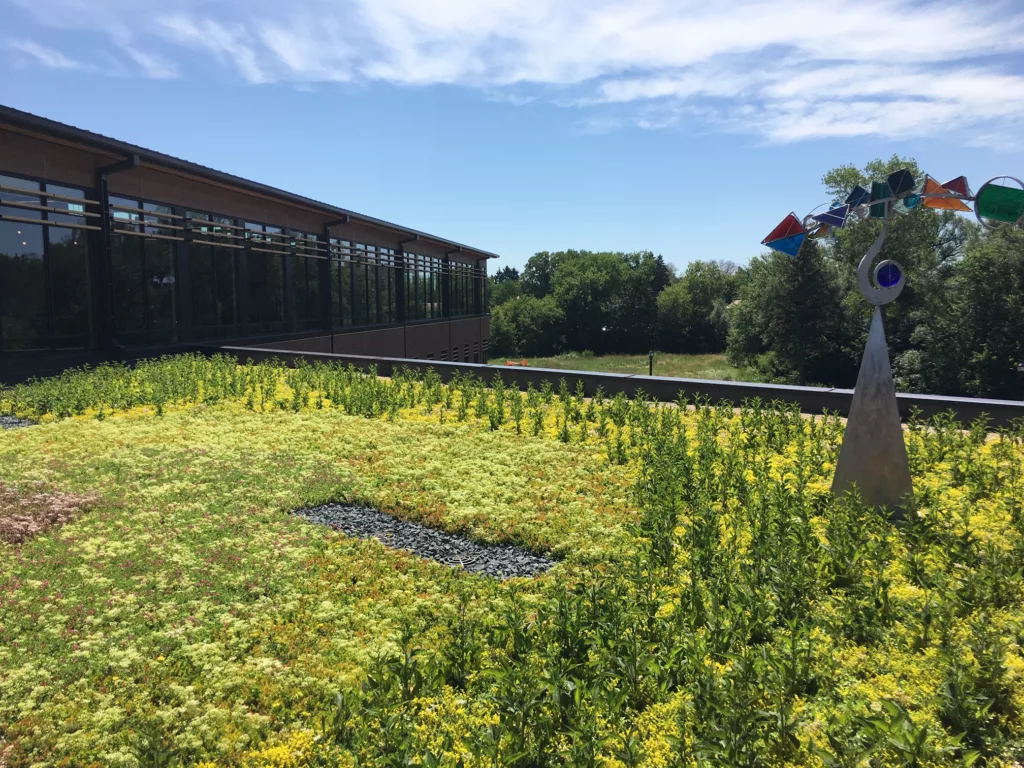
column 143, row 273
column 44, row 270
column 266, row 279
column 213, row 278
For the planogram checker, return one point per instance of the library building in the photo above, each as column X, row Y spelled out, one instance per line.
column 110, row 251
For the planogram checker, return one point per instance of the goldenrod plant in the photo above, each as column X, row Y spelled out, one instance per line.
column 713, row 603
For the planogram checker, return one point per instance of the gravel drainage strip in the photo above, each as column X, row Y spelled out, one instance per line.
column 12, row 422
column 502, row 561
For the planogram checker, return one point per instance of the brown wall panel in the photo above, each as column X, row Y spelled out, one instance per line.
column 426, row 339
column 466, row 331
column 320, row 344
column 151, row 184
column 389, row 342
column 29, row 156
column 424, row 248
column 413, row 341
column 362, row 233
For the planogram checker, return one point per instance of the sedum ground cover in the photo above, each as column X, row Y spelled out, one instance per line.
column 714, row 605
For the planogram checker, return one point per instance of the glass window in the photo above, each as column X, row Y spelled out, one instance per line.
column 266, row 279
column 213, row 274
column 24, row 323
column 306, row 282
column 341, row 283
column 387, row 276
column 372, row 286
column 145, row 285
column 160, row 293
column 44, row 270
column 68, row 256
column 359, row 284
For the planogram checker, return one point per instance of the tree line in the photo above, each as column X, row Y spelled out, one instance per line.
column 956, row 329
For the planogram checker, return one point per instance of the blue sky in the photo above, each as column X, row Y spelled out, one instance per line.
column 687, row 128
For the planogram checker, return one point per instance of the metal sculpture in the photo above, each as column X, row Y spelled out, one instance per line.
column 873, row 455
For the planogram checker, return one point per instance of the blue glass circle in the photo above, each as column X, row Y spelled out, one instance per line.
column 888, row 275
column 912, row 200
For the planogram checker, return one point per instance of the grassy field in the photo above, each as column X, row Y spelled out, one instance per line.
column 682, row 366
column 713, row 603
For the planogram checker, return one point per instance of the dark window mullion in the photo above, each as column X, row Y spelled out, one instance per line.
column 47, row 277
column 147, row 315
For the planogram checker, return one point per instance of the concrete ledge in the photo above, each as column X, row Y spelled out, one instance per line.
column 1000, row 413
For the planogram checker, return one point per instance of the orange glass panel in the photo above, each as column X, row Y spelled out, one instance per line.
column 932, row 187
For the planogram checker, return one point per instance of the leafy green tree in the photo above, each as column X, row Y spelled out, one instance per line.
column 504, row 285
column 633, row 315
column 789, row 321
column 692, row 313
column 539, row 271
column 526, row 326
column 506, row 274
column 993, row 285
column 584, row 287
column 664, row 275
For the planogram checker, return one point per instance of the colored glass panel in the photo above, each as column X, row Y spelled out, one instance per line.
column 879, row 191
column 958, row 186
column 888, row 275
column 789, row 227
column 858, row 196
column 900, row 183
column 788, row 245
column 910, row 201
column 820, row 231
column 946, row 204
column 1001, row 203
column 932, row 187
column 836, row 217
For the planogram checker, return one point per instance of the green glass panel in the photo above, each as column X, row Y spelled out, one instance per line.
column 1001, row 203
column 879, row 191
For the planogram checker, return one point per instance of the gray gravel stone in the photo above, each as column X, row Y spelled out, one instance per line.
column 502, row 561
column 11, row 422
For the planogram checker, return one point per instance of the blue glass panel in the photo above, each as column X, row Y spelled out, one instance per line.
column 858, row 196
column 788, row 245
column 834, row 218
column 888, row 275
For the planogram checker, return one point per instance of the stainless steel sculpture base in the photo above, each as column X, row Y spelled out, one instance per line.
column 873, row 456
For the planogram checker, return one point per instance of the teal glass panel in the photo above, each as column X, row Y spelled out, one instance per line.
column 879, row 191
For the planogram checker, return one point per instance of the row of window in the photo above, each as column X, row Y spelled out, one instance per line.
column 244, row 278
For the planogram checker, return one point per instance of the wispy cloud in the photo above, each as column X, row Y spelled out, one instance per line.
column 40, row 54
column 152, row 64
column 227, row 42
column 785, row 70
